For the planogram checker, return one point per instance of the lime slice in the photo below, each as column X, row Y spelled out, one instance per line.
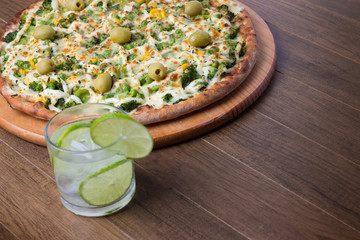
column 108, row 184
column 132, row 138
column 71, row 132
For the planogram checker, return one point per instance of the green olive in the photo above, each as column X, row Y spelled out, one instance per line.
column 157, row 71
column 103, row 82
column 44, row 32
column 140, row 1
column 75, row 5
column 120, row 35
column 45, row 66
column 199, row 39
column 193, row 8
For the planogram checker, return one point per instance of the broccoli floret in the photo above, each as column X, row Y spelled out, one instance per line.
column 70, row 64
column 47, row 5
column 137, row 39
column 60, row 103
column 232, row 33
column 154, row 89
column 190, row 74
column 70, row 103
column 56, row 85
column 212, row 50
column 242, row 50
column 136, row 94
column 145, row 79
column 65, row 22
column 36, row 86
column 203, row 85
column 166, row 27
column 10, row 36
column 224, row 10
column 212, row 73
column 167, row 97
column 97, row 40
column 162, row 46
column 129, row 106
column 131, row 56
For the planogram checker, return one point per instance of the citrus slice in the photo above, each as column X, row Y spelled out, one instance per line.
column 108, row 184
column 128, row 136
column 70, row 133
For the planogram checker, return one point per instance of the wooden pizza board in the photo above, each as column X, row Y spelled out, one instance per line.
column 185, row 127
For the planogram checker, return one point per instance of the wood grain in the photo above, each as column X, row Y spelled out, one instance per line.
column 27, row 191
column 182, row 128
column 335, row 125
column 323, row 70
column 5, row 234
column 332, row 31
column 285, row 168
column 242, row 197
column 315, row 173
column 346, row 8
column 166, row 214
column 163, row 212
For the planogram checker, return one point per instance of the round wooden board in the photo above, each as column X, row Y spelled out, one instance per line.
column 185, row 127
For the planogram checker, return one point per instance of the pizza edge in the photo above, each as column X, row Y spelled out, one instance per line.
column 35, row 109
column 147, row 114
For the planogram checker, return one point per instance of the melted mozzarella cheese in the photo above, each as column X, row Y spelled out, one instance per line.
column 83, row 36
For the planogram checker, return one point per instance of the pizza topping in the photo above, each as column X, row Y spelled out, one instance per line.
column 45, row 66
column 44, row 32
column 199, row 39
column 103, row 82
column 120, row 35
column 75, row 5
column 193, row 8
column 85, row 45
column 157, row 71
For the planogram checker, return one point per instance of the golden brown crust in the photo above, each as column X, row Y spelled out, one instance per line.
column 146, row 114
column 36, row 109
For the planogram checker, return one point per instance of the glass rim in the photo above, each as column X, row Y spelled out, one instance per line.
column 48, row 140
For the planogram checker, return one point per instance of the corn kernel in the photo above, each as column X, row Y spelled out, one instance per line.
column 157, row 13
column 184, row 66
column 32, row 63
column 21, row 71
column 189, row 57
column 153, row 12
column 200, row 52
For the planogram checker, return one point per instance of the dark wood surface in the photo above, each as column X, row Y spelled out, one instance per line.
column 286, row 168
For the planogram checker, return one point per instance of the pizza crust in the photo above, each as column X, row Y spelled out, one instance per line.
column 147, row 114
column 35, row 109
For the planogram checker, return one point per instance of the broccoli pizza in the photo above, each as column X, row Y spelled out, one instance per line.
column 156, row 60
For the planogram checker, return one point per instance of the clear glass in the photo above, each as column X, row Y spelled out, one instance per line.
column 85, row 160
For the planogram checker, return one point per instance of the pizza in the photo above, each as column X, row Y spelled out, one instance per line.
column 156, row 60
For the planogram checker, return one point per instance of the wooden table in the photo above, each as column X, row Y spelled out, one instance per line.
column 286, row 168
